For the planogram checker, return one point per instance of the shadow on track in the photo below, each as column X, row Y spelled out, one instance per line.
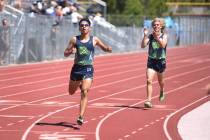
column 63, row 124
column 132, row 107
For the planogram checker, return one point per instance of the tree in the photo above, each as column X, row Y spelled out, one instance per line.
column 133, row 7
column 155, row 8
column 115, row 6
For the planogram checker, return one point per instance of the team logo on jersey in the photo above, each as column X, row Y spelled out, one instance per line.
column 83, row 50
column 155, row 45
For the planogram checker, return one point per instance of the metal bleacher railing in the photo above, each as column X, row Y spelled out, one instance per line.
column 31, row 37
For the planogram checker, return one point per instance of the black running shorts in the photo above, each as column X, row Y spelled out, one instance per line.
column 79, row 72
column 159, row 65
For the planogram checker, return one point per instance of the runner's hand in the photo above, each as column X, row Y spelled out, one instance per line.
column 146, row 31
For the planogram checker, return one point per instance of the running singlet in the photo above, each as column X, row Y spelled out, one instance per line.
column 155, row 51
column 85, row 52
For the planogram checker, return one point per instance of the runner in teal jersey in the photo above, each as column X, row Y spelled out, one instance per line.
column 156, row 64
column 82, row 71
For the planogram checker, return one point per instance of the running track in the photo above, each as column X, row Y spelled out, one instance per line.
column 35, row 105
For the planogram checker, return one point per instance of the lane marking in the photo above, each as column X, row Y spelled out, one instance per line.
column 126, row 136
column 123, row 99
column 64, row 71
column 140, row 129
column 111, row 83
column 61, row 136
column 119, row 110
column 48, row 87
column 15, row 116
column 174, row 113
column 134, row 132
column 24, row 136
column 11, row 101
column 10, row 124
column 58, row 64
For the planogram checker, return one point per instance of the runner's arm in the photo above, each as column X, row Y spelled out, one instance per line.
column 104, row 47
column 71, row 47
column 145, row 39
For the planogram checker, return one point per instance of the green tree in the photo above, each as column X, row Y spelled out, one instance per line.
column 132, row 12
column 133, row 7
column 155, row 8
column 115, row 6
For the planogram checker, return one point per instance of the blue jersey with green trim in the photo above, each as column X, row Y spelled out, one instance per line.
column 85, row 52
column 155, row 51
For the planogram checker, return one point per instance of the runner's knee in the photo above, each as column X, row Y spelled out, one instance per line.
column 161, row 83
column 84, row 93
column 149, row 82
column 71, row 92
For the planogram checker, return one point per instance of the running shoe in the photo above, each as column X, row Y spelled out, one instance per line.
column 148, row 104
column 80, row 120
column 162, row 96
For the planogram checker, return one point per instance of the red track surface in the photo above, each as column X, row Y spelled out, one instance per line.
column 34, row 103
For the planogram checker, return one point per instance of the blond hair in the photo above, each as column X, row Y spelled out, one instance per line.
column 161, row 21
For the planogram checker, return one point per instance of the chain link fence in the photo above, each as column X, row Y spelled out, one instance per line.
column 42, row 38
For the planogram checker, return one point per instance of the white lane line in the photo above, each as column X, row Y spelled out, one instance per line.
column 61, row 64
column 16, row 101
column 35, row 75
column 65, row 84
column 146, row 125
column 15, row 116
column 151, row 123
column 111, row 83
column 93, row 119
column 31, row 118
column 174, row 113
column 195, row 124
column 52, row 66
column 124, row 99
column 10, row 124
column 111, row 114
column 162, row 118
column 66, row 129
column 61, row 85
column 27, row 131
column 140, row 129
column 64, row 94
column 101, row 116
column 126, row 136
column 134, row 132
column 24, row 137
column 64, row 71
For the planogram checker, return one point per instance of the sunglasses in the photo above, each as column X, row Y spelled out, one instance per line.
column 156, row 24
column 84, row 25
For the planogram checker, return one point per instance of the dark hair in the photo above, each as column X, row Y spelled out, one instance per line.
column 85, row 19
column 4, row 21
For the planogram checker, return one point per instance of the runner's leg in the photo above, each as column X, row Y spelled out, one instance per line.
column 150, row 76
column 73, row 85
column 86, row 84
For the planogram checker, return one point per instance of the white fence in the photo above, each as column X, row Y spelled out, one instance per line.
column 31, row 40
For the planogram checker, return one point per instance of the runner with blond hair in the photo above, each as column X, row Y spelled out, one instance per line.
column 156, row 63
